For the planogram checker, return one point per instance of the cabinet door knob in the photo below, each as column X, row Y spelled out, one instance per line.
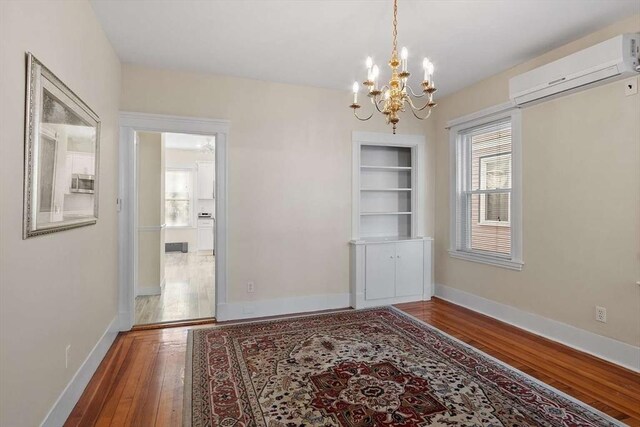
column 391, row 256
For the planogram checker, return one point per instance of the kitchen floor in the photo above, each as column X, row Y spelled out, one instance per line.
column 188, row 292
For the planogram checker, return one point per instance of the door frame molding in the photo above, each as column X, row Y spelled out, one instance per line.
column 131, row 122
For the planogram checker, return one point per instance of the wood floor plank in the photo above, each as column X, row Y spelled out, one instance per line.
column 141, row 381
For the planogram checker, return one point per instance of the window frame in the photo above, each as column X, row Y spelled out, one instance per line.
column 459, row 242
column 192, row 200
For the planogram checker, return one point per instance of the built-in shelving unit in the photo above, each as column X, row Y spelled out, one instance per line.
column 386, row 185
column 390, row 256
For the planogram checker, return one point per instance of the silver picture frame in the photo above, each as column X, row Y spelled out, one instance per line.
column 61, row 164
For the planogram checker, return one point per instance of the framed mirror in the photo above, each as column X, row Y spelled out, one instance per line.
column 62, row 139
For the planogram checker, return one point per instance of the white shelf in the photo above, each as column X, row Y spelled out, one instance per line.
column 386, row 168
column 386, row 189
column 384, row 213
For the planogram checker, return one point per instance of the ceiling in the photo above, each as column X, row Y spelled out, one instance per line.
column 183, row 141
column 324, row 43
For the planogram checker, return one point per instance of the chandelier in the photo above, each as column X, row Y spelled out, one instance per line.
column 392, row 98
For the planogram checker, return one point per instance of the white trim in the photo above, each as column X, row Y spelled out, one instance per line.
column 65, row 403
column 456, row 176
column 606, row 348
column 151, row 227
column 130, row 122
column 150, row 289
column 487, row 259
column 417, row 144
column 490, row 111
column 281, row 306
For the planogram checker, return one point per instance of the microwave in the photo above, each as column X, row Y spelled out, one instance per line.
column 81, row 183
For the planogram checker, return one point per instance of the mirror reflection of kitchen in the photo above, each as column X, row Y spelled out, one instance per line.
column 176, row 227
column 65, row 165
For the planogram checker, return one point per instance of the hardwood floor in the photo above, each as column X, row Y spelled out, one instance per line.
column 188, row 292
column 140, row 381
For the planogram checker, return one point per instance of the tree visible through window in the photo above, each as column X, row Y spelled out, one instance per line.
column 178, row 197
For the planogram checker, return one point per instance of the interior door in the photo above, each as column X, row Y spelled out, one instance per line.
column 380, row 271
column 409, row 268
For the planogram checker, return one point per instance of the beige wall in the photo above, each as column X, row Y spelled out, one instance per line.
column 289, row 174
column 581, row 201
column 61, row 288
column 150, row 211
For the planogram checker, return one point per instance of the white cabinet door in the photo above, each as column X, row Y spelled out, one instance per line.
column 409, row 268
column 205, row 239
column 83, row 164
column 205, row 180
column 380, row 271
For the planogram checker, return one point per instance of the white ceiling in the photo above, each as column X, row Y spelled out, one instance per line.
column 183, row 141
column 325, row 42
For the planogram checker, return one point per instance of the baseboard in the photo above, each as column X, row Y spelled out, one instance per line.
column 614, row 351
column 150, row 290
column 61, row 409
column 281, row 306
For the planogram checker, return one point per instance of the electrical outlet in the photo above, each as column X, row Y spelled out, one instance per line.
column 631, row 86
column 251, row 287
column 601, row 314
column 67, row 353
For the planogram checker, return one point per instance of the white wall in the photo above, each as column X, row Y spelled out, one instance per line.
column 61, row 288
column 581, row 202
column 289, row 174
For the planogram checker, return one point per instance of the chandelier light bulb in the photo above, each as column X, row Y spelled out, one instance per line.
column 355, row 92
column 430, row 68
column 376, row 71
column 369, row 62
column 404, row 54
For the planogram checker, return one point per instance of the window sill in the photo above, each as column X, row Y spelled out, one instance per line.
column 180, row 227
column 484, row 259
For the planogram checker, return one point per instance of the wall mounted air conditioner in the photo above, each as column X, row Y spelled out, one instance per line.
column 599, row 64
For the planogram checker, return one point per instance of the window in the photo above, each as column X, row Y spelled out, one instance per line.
column 485, row 199
column 178, row 200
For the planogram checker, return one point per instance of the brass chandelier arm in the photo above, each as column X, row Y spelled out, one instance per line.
column 421, row 118
column 414, row 108
column 422, row 95
column 361, row 118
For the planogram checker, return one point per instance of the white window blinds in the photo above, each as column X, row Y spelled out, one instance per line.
column 484, row 190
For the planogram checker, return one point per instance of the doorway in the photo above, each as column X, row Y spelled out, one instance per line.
column 176, row 227
column 172, row 218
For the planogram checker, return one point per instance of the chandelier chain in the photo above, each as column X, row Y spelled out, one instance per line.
column 394, row 52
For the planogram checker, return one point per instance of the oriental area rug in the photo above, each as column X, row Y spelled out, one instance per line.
column 376, row 367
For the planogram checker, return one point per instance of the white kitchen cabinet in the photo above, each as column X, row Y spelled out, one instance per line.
column 206, row 176
column 82, row 163
column 387, row 272
column 206, row 234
